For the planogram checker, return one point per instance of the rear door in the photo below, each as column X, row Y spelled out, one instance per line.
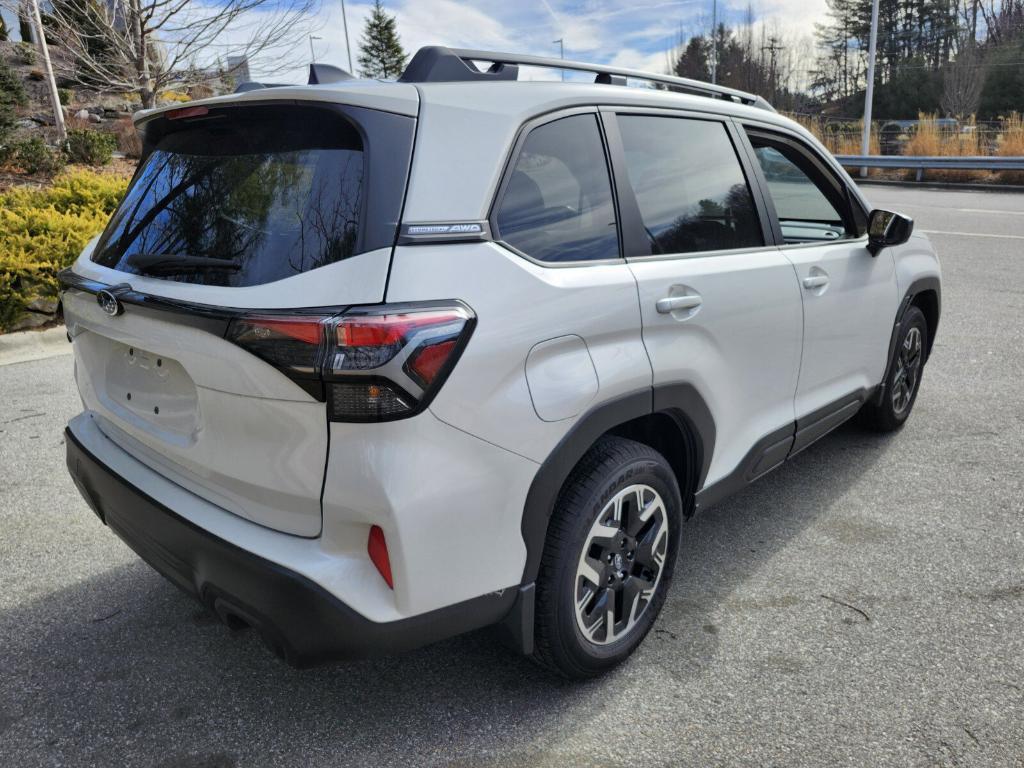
column 849, row 296
column 236, row 212
column 720, row 308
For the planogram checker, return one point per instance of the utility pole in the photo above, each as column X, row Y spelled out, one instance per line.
column 561, row 52
column 348, row 45
column 714, row 41
column 865, row 141
column 58, row 113
column 773, row 47
column 312, row 51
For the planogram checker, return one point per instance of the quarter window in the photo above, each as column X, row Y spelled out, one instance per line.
column 689, row 185
column 558, row 203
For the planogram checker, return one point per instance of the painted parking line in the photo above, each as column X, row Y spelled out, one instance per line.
column 970, row 234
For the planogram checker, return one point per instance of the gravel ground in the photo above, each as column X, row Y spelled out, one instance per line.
column 863, row 605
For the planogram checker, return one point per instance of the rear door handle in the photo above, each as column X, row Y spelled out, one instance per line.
column 675, row 303
column 815, row 281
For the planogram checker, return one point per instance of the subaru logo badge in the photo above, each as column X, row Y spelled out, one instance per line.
column 109, row 303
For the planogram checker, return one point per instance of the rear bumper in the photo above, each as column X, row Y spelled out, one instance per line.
column 297, row 618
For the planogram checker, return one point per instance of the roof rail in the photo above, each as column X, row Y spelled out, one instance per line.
column 438, row 64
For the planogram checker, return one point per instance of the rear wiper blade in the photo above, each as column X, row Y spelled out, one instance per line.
column 171, row 263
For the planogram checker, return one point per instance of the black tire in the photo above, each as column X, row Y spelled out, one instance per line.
column 904, row 378
column 615, row 468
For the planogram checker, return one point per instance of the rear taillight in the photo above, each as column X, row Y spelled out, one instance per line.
column 369, row 364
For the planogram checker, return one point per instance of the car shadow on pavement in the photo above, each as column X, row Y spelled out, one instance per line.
column 123, row 668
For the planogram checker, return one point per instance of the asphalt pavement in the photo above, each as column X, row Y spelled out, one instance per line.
column 863, row 605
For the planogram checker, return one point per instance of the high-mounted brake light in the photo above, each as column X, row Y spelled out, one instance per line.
column 181, row 114
column 369, row 364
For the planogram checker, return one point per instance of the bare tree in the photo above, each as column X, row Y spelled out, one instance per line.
column 963, row 80
column 149, row 46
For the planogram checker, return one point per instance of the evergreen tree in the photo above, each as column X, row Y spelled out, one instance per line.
column 380, row 51
column 3, row 30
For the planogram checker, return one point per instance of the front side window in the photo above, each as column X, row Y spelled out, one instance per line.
column 807, row 204
column 557, row 205
column 689, row 185
column 235, row 202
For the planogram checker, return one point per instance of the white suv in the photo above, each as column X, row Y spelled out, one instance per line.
column 369, row 364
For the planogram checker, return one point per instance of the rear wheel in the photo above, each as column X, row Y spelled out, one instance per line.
column 608, row 559
column 904, row 377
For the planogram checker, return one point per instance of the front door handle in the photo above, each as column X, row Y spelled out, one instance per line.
column 815, row 281
column 675, row 303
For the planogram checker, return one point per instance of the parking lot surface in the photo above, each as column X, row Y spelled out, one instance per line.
column 863, row 605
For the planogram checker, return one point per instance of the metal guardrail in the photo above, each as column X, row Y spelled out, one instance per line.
column 920, row 164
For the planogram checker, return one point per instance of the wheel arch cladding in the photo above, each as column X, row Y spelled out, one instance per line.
column 927, row 300
column 673, row 419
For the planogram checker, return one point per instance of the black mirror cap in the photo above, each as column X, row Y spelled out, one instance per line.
column 886, row 228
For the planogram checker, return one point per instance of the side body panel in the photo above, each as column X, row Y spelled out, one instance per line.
column 518, row 305
column 740, row 349
column 847, row 321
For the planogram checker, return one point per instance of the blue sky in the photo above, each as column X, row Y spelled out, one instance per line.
column 632, row 34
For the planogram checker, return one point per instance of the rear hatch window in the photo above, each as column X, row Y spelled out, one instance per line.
column 243, row 196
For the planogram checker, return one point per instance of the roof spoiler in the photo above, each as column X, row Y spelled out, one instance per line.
column 319, row 74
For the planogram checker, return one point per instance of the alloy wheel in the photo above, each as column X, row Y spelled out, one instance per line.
column 621, row 564
column 908, row 369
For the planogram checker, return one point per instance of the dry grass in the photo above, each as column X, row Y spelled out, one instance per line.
column 930, row 139
column 842, row 138
column 1011, row 144
column 128, row 139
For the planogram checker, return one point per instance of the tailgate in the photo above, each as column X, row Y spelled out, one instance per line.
column 233, row 211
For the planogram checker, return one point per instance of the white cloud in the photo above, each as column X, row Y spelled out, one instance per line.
column 629, row 33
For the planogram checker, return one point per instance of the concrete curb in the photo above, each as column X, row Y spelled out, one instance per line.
column 33, row 345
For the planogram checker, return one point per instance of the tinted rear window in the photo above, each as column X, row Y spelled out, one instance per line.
column 558, row 204
column 689, row 185
column 242, row 198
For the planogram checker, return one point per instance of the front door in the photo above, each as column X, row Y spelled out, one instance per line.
column 849, row 296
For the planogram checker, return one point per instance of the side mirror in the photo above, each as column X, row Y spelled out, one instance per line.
column 886, row 228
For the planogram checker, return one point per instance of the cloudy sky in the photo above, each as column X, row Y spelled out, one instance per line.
column 627, row 33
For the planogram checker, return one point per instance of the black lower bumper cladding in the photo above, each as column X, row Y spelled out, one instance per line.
column 297, row 618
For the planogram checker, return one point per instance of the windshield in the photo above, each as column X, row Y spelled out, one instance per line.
column 235, row 202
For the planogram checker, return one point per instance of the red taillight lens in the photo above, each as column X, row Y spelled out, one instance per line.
column 291, row 343
column 427, row 362
column 377, row 363
column 377, row 548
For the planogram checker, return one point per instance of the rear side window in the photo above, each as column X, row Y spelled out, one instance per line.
column 689, row 185
column 557, row 205
column 242, row 198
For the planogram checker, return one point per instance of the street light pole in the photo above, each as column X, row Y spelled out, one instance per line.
column 865, row 141
column 312, row 51
column 348, row 45
column 58, row 113
column 561, row 52
column 714, row 41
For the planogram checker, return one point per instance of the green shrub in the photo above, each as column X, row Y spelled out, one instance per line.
column 64, row 95
column 25, row 53
column 90, row 147
column 33, row 155
column 44, row 230
column 12, row 90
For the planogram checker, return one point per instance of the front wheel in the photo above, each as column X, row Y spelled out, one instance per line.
column 608, row 559
column 904, row 377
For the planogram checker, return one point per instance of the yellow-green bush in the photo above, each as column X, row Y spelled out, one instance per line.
column 43, row 230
